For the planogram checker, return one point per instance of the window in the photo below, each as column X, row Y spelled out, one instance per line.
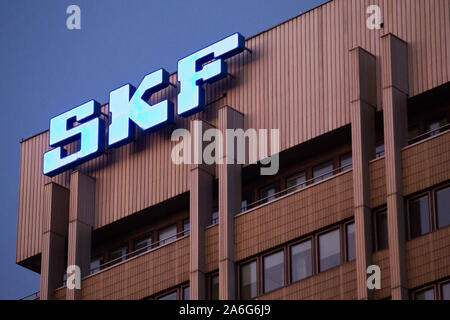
column 248, row 281
column 244, row 204
column 345, row 161
column 118, row 255
column 379, row 149
column 445, row 291
column 413, row 131
column 323, row 171
column 169, row 296
column 215, row 216
column 186, row 226
column 296, row 182
column 268, row 193
column 95, row 264
column 443, row 207
column 273, row 271
column 350, row 239
column 301, row 260
column 214, row 294
column 381, row 230
column 433, row 126
column 142, row 245
column 427, row 294
column 437, row 291
column 168, row 234
column 329, row 250
column 419, row 216
column 186, row 293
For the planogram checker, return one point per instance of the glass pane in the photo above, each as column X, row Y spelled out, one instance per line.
column 186, row 226
column 435, row 125
column 244, row 205
column 323, row 171
column 215, row 217
column 351, row 246
column 215, row 287
column 379, row 149
column 419, row 216
column 168, row 234
column 427, row 294
column 95, row 264
column 143, row 245
column 445, row 291
column 118, row 255
column 268, row 193
column 346, row 161
column 170, row 296
column 382, row 230
column 301, row 261
column 273, row 271
column 186, row 293
column 329, row 250
column 443, row 207
column 296, row 182
column 248, row 281
column 413, row 132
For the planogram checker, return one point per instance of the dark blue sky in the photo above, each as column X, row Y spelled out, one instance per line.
column 46, row 69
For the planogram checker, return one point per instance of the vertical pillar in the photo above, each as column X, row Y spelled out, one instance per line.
column 363, row 107
column 201, row 186
column 230, row 194
column 54, row 233
column 394, row 95
column 81, row 221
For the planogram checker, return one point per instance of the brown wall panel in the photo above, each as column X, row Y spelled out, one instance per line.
column 212, row 248
column 299, row 213
column 143, row 275
column 338, row 283
column 377, row 177
column 428, row 257
column 426, row 163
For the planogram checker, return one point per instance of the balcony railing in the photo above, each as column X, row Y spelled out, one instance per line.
column 429, row 133
column 295, row 187
column 152, row 246
column 31, row 296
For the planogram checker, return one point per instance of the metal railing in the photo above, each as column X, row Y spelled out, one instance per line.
column 295, row 187
column 31, row 296
column 136, row 252
column 429, row 134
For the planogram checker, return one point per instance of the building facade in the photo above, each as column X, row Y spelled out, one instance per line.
column 364, row 176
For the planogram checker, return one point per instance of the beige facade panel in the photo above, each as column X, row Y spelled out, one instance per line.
column 297, row 79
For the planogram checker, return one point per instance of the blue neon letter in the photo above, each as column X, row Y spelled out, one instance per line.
column 81, row 123
column 192, row 72
column 126, row 111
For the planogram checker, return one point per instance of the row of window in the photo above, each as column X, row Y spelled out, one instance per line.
column 180, row 293
column 139, row 245
column 436, row 291
column 296, row 261
column 428, row 211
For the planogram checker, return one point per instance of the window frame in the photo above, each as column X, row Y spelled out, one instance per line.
column 345, row 225
column 258, row 275
column 433, row 210
column 289, row 258
column 375, row 214
column 417, row 196
column 341, row 255
column 275, row 185
column 321, row 176
column 268, row 253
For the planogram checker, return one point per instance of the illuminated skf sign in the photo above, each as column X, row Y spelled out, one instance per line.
column 129, row 107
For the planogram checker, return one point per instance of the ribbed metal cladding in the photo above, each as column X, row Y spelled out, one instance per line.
column 297, row 79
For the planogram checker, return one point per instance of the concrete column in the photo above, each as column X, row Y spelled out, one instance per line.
column 363, row 108
column 54, row 233
column 81, row 222
column 201, row 186
column 230, row 194
column 394, row 94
